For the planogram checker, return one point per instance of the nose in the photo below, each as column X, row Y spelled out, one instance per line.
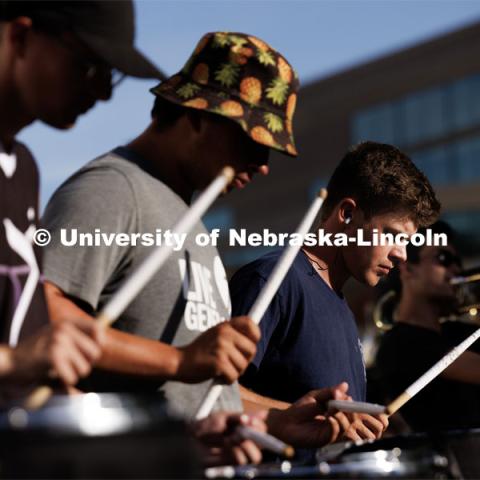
column 398, row 254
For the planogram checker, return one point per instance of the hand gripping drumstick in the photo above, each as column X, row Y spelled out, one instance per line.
column 433, row 372
column 413, row 389
column 403, row 398
column 145, row 271
column 263, row 300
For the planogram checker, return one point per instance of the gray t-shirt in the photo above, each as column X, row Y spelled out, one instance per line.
column 187, row 296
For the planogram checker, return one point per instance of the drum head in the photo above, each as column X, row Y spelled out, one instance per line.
column 96, row 436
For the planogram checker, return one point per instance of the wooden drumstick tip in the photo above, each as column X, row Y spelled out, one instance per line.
column 289, row 452
column 323, row 193
column 398, row 403
column 104, row 320
column 228, row 172
column 38, row 398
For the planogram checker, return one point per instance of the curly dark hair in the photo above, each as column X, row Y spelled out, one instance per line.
column 380, row 178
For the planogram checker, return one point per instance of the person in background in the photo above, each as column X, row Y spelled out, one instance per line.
column 418, row 340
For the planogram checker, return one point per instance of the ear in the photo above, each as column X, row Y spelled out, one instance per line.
column 346, row 211
column 16, row 32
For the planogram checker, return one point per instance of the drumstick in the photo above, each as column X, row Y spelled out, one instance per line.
column 265, row 297
column 433, row 372
column 264, row 440
column 145, row 271
column 467, row 279
column 356, row 407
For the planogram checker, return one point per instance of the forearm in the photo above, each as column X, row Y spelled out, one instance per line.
column 6, row 362
column 465, row 369
column 131, row 354
column 253, row 402
column 122, row 352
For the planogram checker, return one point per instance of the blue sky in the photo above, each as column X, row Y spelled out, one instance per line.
column 318, row 37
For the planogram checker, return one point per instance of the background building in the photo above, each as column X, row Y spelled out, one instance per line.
column 425, row 100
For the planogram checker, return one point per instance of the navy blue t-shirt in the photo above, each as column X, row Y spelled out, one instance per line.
column 309, row 335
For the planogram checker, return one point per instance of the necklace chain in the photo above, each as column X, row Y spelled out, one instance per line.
column 316, row 265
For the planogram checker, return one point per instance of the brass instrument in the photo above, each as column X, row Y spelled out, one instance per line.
column 467, row 292
column 467, row 310
column 468, row 295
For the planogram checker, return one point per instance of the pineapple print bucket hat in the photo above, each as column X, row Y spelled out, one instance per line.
column 240, row 77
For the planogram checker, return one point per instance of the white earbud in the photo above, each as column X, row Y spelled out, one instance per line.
column 348, row 220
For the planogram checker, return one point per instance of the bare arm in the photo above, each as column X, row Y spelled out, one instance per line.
column 253, row 402
column 222, row 352
column 6, row 362
column 122, row 352
column 465, row 369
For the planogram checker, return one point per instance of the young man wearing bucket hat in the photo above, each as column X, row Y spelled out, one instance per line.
column 56, row 60
column 146, row 186
column 231, row 103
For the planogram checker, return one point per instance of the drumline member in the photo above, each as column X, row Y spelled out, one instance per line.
column 309, row 336
column 231, row 103
column 79, row 72
column 54, row 67
column 418, row 340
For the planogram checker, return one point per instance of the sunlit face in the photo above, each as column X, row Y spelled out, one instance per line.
column 368, row 264
column 225, row 143
column 53, row 79
column 430, row 277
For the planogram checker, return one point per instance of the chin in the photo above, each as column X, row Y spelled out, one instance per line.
column 371, row 279
column 61, row 124
column 367, row 278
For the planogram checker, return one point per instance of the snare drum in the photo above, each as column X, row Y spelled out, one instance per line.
column 412, row 456
column 96, row 436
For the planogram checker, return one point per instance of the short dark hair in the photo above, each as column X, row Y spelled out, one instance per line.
column 166, row 113
column 413, row 252
column 380, row 178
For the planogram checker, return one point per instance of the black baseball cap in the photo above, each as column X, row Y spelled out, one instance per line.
column 106, row 27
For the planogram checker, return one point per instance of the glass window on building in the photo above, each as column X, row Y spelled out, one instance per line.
column 465, row 103
column 467, row 154
column 438, row 164
column 424, row 116
column 454, row 163
column 376, row 124
column 421, row 116
column 467, row 226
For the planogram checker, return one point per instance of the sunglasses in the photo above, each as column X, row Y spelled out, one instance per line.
column 446, row 258
column 91, row 66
